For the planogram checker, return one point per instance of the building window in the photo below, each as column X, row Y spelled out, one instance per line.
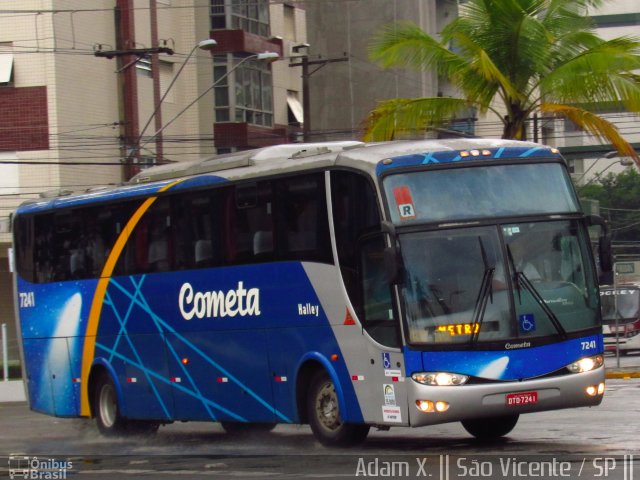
column 248, row 15
column 143, row 67
column 246, row 94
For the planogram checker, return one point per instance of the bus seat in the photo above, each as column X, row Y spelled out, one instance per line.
column 203, row 252
column 262, row 242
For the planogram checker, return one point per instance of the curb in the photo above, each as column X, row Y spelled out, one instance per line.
column 623, row 374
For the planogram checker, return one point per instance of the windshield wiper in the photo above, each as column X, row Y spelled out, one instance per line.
column 538, row 298
column 481, row 303
column 485, row 293
column 521, row 278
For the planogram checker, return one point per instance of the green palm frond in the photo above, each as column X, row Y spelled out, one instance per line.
column 395, row 118
column 595, row 125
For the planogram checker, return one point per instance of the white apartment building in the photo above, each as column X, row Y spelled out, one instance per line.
column 81, row 85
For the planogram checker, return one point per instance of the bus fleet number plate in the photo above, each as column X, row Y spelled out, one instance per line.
column 525, row 398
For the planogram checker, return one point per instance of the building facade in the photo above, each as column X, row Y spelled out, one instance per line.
column 90, row 92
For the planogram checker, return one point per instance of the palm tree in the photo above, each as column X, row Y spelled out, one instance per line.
column 516, row 58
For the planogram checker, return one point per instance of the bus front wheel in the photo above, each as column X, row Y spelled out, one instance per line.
column 490, row 428
column 107, row 411
column 323, row 410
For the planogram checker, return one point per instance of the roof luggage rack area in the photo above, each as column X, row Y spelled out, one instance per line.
column 240, row 159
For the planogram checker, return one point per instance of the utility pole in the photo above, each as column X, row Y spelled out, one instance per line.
column 306, row 74
column 127, row 84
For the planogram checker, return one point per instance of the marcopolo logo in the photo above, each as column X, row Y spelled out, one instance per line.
column 217, row 304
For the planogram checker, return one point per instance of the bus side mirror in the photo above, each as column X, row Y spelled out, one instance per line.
column 392, row 260
column 605, row 250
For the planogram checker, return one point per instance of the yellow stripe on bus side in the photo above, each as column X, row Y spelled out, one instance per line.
column 98, row 299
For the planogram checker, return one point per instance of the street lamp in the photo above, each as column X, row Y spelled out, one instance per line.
column 264, row 56
column 207, row 44
column 624, row 161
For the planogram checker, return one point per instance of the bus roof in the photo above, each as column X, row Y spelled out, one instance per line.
column 373, row 158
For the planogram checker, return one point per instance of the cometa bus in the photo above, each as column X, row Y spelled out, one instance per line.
column 342, row 285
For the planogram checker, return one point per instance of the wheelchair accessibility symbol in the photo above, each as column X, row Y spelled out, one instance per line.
column 386, row 360
column 527, row 323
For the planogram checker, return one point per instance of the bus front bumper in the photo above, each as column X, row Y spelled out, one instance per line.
column 430, row 405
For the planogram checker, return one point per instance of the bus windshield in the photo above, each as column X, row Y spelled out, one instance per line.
column 479, row 192
column 627, row 301
column 456, row 290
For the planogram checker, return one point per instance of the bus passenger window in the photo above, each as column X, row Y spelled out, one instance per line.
column 304, row 225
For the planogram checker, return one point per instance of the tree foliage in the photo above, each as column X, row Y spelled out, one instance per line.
column 619, row 197
column 515, row 58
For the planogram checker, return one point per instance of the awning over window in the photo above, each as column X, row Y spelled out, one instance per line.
column 6, row 67
column 295, row 106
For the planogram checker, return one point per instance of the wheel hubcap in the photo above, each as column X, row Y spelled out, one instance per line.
column 108, row 406
column 327, row 410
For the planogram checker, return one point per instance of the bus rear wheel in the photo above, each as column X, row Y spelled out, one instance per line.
column 107, row 411
column 323, row 410
column 490, row 428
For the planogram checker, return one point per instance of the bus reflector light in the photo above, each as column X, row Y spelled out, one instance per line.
column 334, row 357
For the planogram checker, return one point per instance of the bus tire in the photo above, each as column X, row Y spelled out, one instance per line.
column 107, row 411
column 240, row 428
column 490, row 428
column 323, row 411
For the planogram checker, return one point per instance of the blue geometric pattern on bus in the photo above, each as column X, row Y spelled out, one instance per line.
column 138, row 310
column 453, row 156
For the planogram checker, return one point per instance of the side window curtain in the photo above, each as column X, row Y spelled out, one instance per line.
column 150, row 247
column 24, row 246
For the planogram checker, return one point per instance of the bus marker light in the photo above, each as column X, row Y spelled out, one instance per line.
column 76, row 380
column 175, row 380
column 132, row 380
column 387, row 161
column 486, row 152
column 348, row 319
column 357, row 378
column 185, row 361
column 280, row 379
column 464, row 154
column 475, row 153
column 394, row 379
column 222, row 380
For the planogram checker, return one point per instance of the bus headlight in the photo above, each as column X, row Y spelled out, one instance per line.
column 586, row 364
column 439, row 379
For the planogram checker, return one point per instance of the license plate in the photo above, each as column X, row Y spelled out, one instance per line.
column 518, row 399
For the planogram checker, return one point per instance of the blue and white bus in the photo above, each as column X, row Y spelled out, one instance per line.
column 342, row 285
